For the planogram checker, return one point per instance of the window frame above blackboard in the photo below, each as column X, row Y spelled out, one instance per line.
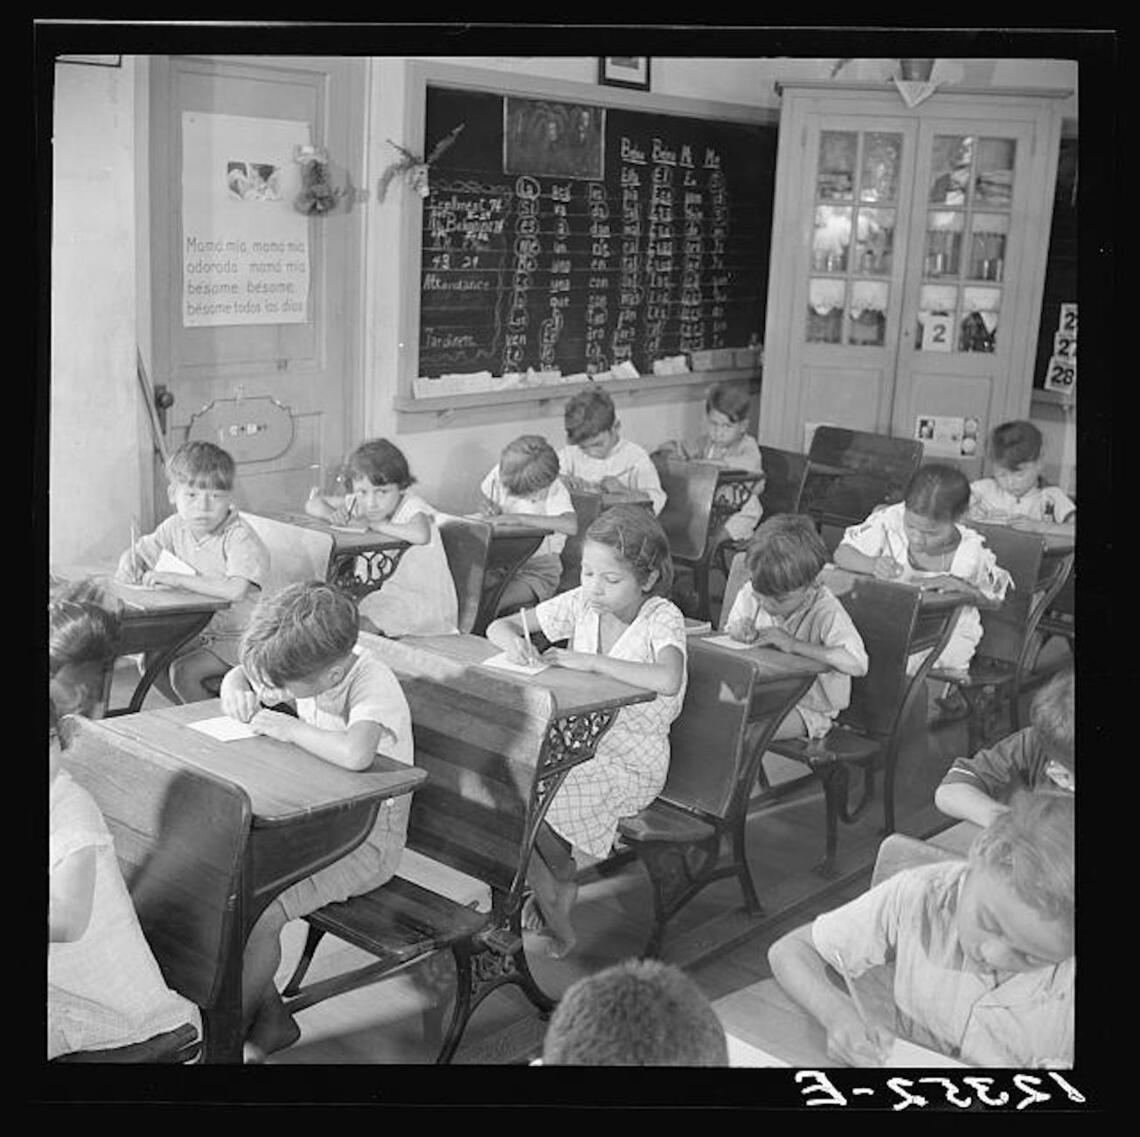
column 424, row 74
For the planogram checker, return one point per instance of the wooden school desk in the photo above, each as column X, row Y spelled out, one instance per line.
column 577, row 694
column 157, row 621
column 306, row 814
column 380, row 554
column 513, row 543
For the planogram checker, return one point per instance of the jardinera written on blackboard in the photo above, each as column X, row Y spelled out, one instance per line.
column 568, row 240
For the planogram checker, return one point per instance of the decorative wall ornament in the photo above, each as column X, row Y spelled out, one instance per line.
column 412, row 168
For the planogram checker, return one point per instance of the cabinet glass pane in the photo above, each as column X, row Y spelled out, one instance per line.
column 993, row 182
column 978, row 329
column 943, row 242
column 950, row 168
column 836, row 177
column 881, row 156
column 987, row 246
column 825, row 310
column 875, row 240
column 830, row 239
column 935, row 328
column 867, row 313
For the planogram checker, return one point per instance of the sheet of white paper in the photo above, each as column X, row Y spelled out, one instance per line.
column 910, row 1054
column 501, row 662
column 349, row 528
column 741, row 1053
column 223, row 728
column 168, row 562
column 727, row 641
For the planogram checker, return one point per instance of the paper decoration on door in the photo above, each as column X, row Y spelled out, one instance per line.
column 938, row 331
column 947, row 436
column 1061, row 374
column 245, row 249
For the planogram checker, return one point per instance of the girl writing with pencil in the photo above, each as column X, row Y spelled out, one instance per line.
column 618, row 623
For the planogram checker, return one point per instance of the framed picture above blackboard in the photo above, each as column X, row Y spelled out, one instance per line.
column 624, row 71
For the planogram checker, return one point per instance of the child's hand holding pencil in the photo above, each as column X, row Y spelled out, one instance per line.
column 853, row 1037
column 521, row 650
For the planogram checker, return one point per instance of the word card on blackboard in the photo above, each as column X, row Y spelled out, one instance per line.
column 573, row 237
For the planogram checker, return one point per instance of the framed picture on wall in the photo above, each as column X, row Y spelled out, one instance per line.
column 624, row 71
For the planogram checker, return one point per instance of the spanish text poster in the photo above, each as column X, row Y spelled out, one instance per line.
column 947, row 436
column 245, row 249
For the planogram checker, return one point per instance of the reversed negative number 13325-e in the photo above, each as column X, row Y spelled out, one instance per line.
column 940, row 1092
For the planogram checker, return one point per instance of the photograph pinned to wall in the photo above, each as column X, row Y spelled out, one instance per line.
column 947, row 435
column 624, row 71
column 542, row 137
column 253, row 181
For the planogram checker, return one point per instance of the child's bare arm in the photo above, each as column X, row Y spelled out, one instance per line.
column 239, row 699
column 231, row 588
column 325, row 507
column 801, row 971
column 415, row 532
column 71, row 893
column 848, row 557
column 836, row 657
column 561, row 523
column 663, row 675
column 959, row 799
column 507, row 634
column 353, row 749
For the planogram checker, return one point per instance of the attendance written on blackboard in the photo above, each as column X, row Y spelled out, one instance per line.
column 572, row 237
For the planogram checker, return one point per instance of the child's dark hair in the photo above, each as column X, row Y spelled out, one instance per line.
column 640, row 1012
column 527, row 465
column 381, row 462
column 731, row 399
column 638, row 539
column 298, row 631
column 786, row 552
column 587, row 414
column 1030, row 845
column 938, row 492
column 81, row 629
column 1053, row 715
column 1014, row 443
column 201, row 464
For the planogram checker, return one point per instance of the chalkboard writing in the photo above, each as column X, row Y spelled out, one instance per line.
column 651, row 240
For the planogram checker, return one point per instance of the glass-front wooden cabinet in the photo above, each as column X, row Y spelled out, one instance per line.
column 908, row 259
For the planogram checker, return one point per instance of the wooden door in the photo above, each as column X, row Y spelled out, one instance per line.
column 283, row 398
column 839, row 291
column 970, row 314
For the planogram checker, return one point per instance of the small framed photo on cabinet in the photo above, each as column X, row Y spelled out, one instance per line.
column 624, row 71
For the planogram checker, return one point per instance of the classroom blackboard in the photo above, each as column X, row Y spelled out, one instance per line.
column 1061, row 267
column 572, row 236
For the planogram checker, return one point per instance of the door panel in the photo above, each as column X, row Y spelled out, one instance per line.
column 964, row 314
column 847, row 305
column 311, row 368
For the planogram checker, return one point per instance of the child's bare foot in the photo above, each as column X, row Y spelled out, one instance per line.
column 273, row 1029
column 532, row 918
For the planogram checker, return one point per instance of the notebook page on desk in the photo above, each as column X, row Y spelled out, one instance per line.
column 741, row 1053
column 168, row 562
column 727, row 641
column 502, row 663
column 223, row 728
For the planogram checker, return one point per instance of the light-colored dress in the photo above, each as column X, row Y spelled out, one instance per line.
column 542, row 572
column 819, row 619
column 883, row 535
column 419, row 598
column 627, row 462
column 632, row 760
column 1041, row 503
column 105, row 989
column 233, row 549
column 369, row 692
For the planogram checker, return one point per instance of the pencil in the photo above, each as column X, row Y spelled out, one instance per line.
column 526, row 635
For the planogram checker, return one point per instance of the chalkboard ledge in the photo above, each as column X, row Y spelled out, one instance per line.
column 546, row 392
column 1057, row 398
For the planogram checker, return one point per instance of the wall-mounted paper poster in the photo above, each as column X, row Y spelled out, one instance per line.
column 947, row 436
column 554, row 139
column 245, row 249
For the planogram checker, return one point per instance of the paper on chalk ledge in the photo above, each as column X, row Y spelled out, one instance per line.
column 501, row 662
column 223, row 728
column 168, row 562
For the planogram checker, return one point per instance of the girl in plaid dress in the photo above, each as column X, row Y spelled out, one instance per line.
column 618, row 623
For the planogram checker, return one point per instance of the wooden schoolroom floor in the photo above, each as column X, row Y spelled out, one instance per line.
column 394, row 1021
